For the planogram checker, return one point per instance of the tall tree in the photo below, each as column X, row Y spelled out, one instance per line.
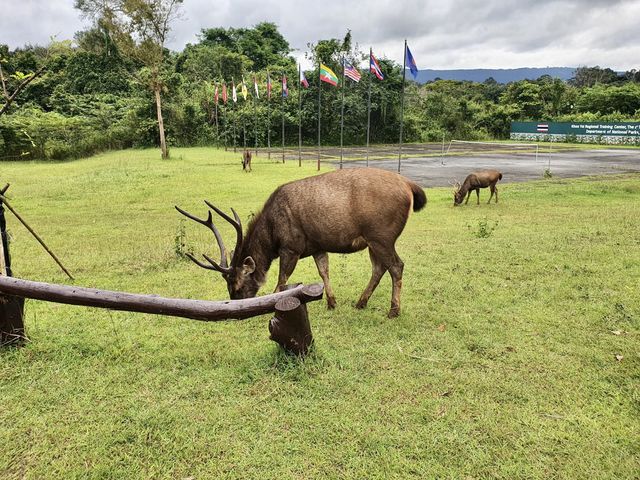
column 140, row 28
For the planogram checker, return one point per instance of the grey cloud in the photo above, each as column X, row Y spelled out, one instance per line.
column 442, row 34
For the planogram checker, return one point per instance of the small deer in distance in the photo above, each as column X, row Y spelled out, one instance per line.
column 246, row 161
column 343, row 211
column 476, row 181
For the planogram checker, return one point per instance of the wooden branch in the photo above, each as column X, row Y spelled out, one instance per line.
column 3, row 199
column 21, row 87
column 204, row 310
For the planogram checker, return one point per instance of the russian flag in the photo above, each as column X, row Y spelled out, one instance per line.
column 374, row 66
column 303, row 80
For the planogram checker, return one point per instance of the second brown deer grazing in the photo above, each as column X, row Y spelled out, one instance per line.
column 476, row 181
column 339, row 212
column 246, row 161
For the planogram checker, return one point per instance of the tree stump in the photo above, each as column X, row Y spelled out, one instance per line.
column 290, row 326
column 11, row 308
column 11, row 322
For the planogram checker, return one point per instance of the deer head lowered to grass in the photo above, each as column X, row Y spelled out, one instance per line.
column 337, row 212
column 476, row 181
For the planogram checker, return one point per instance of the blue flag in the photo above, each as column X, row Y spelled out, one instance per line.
column 411, row 63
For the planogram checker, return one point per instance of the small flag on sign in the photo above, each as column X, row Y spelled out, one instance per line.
column 374, row 67
column 255, row 86
column 351, row 72
column 224, row 93
column 543, row 127
column 303, row 80
column 285, row 90
column 411, row 63
column 327, row 75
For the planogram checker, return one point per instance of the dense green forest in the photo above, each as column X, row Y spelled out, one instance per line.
column 91, row 94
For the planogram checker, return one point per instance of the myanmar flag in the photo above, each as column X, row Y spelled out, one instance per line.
column 327, row 75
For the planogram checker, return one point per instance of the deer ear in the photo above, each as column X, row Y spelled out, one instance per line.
column 248, row 266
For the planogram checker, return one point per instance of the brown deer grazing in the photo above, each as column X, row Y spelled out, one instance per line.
column 246, row 161
column 339, row 212
column 476, row 181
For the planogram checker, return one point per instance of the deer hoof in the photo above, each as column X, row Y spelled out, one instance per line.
column 361, row 304
column 393, row 313
column 331, row 303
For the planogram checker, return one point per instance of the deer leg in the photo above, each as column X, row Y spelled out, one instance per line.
column 288, row 261
column 478, row 195
column 468, row 197
column 378, row 270
column 396, row 270
column 496, row 190
column 322, row 262
column 493, row 189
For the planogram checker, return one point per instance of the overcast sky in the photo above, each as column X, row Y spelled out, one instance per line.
column 442, row 34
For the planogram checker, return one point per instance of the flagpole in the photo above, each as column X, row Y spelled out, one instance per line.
column 217, row 125
column 268, row 116
column 404, row 75
column 342, row 116
column 235, row 118
column 319, row 90
column 255, row 112
column 283, row 116
column 369, row 105
column 299, row 115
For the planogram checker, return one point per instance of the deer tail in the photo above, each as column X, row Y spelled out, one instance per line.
column 499, row 176
column 419, row 197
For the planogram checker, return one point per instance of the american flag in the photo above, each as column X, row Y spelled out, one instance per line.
column 351, row 72
column 543, row 127
column 374, row 67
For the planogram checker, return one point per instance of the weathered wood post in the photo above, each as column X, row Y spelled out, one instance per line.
column 290, row 327
column 11, row 308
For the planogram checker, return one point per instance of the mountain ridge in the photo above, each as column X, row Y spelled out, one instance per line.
column 500, row 75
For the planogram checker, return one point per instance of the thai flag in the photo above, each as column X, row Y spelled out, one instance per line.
column 374, row 67
column 351, row 72
column 285, row 90
column 303, row 80
column 543, row 127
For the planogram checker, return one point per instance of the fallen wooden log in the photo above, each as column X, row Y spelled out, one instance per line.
column 208, row 311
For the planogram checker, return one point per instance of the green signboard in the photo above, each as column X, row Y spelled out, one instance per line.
column 588, row 132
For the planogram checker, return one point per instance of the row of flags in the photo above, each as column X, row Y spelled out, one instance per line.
column 326, row 75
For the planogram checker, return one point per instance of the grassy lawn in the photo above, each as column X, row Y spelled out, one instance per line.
column 502, row 364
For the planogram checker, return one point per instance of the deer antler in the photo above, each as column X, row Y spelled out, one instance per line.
column 223, row 267
column 237, row 224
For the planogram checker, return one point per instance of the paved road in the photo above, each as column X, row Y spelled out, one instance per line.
column 515, row 167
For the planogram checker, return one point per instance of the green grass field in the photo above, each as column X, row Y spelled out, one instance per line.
column 502, row 364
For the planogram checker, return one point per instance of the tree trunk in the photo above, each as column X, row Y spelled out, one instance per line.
column 163, row 142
